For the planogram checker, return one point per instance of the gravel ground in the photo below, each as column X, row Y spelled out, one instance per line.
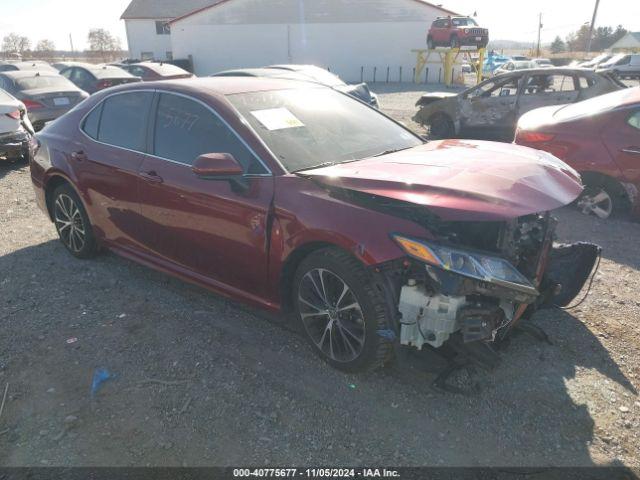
column 199, row 380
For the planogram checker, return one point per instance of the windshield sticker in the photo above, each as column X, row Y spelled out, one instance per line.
column 277, row 118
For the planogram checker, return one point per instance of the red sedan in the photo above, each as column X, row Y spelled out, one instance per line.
column 600, row 138
column 297, row 198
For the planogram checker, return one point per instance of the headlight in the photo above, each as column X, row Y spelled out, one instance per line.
column 466, row 30
column 480, row 266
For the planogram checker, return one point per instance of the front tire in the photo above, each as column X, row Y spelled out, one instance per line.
column 441, row 126
column 454, row 43
column 72, row 223
column 342, row 311
column 430, row 44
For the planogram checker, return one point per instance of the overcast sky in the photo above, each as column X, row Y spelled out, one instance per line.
column 516, row 20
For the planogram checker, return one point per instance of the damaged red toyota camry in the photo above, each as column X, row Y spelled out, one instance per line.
column 297, row 198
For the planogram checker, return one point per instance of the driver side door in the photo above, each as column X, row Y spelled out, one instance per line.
column 489, row 110
column 215, row 230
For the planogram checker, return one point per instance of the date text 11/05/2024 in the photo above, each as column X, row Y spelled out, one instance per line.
column 316, row 472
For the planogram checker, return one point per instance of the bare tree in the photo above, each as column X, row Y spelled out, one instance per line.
column 14, row 43
column 103, row 43
column 45, row 47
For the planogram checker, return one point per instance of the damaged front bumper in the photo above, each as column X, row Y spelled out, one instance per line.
column 434, row 307
column 15, row 144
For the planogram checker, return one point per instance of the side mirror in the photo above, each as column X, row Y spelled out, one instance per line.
column 216, row 166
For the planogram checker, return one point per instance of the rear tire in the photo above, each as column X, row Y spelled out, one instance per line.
column 341, row 311
column 441, row 126
column 72, row 223
column 604, row 198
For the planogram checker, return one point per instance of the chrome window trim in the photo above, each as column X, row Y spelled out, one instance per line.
column 269, row 173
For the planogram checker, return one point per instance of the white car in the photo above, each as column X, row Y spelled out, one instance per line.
column 542, row 63
column 16, row 131
column 623, row 65
column 512, row 66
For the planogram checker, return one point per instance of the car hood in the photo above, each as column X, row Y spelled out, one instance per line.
column 462, row 180
column 428, row 98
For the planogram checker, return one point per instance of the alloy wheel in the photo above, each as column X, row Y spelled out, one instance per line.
column 69, row 223
column 598, row 203
column 331, row 314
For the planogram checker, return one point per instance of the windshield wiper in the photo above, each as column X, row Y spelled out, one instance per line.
column 313, row 167
column 393, row 150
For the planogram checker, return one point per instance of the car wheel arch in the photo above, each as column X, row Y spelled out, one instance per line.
column 50, row 186
column 593, row 178
column 293, row 261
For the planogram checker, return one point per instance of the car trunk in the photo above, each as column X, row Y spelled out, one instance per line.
column 53, row 99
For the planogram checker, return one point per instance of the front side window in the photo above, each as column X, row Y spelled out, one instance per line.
column 123, row 122
column 185, row 129
column 542, row 84
column 306, row 127
column 634, row 120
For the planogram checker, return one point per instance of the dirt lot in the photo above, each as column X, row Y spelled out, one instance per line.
column 203, row 381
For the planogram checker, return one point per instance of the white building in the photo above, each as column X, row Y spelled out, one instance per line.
column 355, row 39
column 629, row 43
column 146, row 23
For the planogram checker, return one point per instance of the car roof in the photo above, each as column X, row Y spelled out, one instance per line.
column 16, row 74
column 219, row 86
column 159, row 68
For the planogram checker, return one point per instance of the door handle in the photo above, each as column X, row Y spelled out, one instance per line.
column 78, row 156
column 632, row 150
column 151, row 176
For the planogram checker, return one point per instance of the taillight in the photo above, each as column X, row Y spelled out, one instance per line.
column 104, row 84
column 535, row 137
column 32, row 105
column 15, row 114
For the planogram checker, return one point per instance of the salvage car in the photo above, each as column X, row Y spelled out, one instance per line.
column 93, row 78
column 296, row 198
column 600, row 138
column 150, row 71
column 491, row 109
column 307, row 73
column 47, row 95
column 623, row 66
column 16, row 131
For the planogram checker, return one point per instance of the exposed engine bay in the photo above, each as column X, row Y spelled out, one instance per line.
column 478, row 278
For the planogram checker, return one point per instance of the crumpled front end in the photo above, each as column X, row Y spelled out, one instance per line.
column 481, row 278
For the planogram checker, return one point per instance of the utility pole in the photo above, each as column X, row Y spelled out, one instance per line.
column 593, row 21
column 539, row 28
column 71, row 42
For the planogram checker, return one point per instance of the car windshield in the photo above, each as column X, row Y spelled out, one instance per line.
column 42, row 81
column 523, row 64
column 463, row 22
column 596, row 105
column 613, row 60
column 110, row 72
column 308, row 127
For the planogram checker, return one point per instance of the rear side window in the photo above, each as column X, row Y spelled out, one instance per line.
column 92, row 122
column 123, row 122
column 185, row 129
column 585, row 82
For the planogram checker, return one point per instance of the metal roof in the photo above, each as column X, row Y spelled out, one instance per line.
column 163, row 9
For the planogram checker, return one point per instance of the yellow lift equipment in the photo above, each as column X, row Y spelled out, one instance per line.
column 448, row 57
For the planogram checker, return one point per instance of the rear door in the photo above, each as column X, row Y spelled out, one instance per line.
column 107, row 158
column 622, row 138
column 542, row 90
column 489, row 110
column 211, row 227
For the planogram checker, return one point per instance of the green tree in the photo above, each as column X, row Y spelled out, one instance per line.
column 558, row 45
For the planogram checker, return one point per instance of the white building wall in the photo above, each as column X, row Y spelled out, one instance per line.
column 380, row 35
column 142, row 37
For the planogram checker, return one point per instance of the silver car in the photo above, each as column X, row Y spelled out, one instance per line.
column 47, row 95
column 491, row 109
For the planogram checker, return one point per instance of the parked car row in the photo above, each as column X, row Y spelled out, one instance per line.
column 48, row 91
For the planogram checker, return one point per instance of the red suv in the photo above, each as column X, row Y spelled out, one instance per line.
column 456, row 31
